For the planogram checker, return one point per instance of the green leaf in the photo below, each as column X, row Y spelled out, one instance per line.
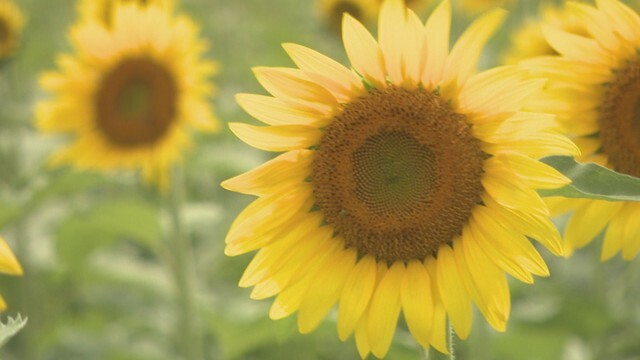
column 84, row 232
column 8, row 330
column 592, row 181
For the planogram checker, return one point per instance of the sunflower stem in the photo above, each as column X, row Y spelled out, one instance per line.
column 26, row 306
column 189, row 332
column 433, row 354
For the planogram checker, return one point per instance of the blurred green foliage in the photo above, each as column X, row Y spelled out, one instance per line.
column 94, row 247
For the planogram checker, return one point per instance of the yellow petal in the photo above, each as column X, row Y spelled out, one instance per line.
column 537, row 145
column 510, row 97
column 325, row 291
column 289, row 245
column 277, row 138
column 566, row 70
column 488, row 285
column 391, row 36
column 461, row 62
column 414, row 50
column 453, row 293
column 537, row 226
column 417, row 302
column 259, row 223
column 330, row 74
column 625, row 20
column 362, row 338
column 533, row 172
column 384, row 310
column 575, row 47
column 509, row 191
column 511, row 250
column 363, row 51
column 438, row 332
column 615, row 235
column 495, row 79
column 8, row 262
column 283, row 171
column 289, row 300
column 631, row 245
column 356, row 295
column 437, row 31
column 274, row 111
column 294, row 85
column 588, row 221
column 597, row 25
column 512, row 126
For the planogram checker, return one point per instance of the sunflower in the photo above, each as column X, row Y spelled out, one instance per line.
column 529, row 41
column 8, row 265
column 594, row 90
column 406, row 185
column 130, row 92
column 11, row 24
column 478, row 6
column 103, row 10
column 415, row 5
column 332, row 10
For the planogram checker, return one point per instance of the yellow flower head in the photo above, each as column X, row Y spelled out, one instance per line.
column 103, row 10
column 406, row 184
column 11, row 24
column 130, row 92
column 529, row 41
column 332, row 10
column 8, row 265
column 594, row 89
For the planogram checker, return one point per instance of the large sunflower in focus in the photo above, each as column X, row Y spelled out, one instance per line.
column 103, row 10
column 8, row 265
column 130, row 93
column 11, row 24
column 594, row 90
column 406, row 185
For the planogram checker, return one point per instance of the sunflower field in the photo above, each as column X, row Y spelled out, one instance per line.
column 319, row 179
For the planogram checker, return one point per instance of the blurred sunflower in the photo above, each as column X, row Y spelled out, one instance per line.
column 478, row 6
column 529, row 41
column 406, row 185
column 103, row 10
column 11, row 24
column 332, row 10
column 594, row 90
column 130, row 92
column 415, row 5
column 8, row 265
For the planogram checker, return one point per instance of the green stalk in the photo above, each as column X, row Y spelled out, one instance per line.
column 433, row 354
column 181, row 253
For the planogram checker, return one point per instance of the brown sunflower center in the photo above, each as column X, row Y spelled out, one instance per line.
column 136, row 102
column 397, row 174
column 620, row 120
column 5, row 32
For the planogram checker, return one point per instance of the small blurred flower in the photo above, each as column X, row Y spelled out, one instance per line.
column 529, row 41
column 129, row 92
column 407, row 185
column 594, row 89
column 332, row 11
column 8, row 265
column 11, row 24
column 473, row 7
column 103, row 10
